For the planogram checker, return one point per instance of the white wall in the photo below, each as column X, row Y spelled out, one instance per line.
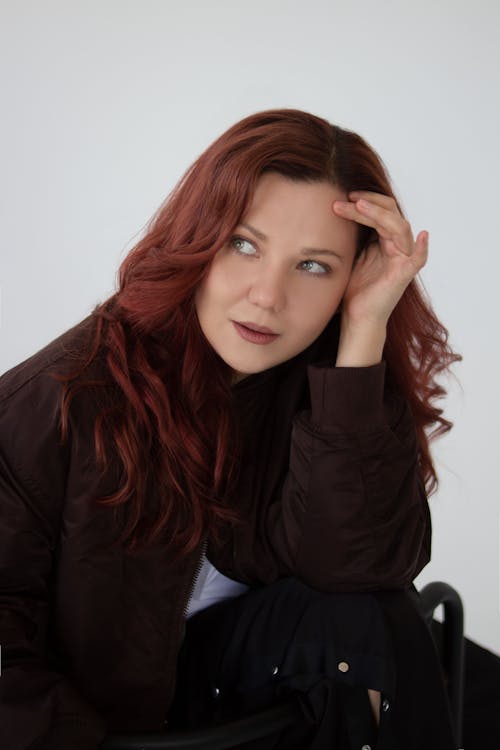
column 106, row 102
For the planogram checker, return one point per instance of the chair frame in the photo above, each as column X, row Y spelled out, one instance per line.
column 453, row 657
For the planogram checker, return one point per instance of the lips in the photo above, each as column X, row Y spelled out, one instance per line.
column 255, row 334
column 255, row 327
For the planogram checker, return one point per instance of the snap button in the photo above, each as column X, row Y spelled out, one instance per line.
column 275, row 671
column 343, row 666
column 366, row 747
column 385, row 705
column 216, row 692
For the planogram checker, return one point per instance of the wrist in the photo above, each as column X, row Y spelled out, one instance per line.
column 361, row 344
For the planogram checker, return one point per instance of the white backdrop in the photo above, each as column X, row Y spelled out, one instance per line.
column 105, row 103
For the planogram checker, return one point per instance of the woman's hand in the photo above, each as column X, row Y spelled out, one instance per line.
column 382, row 271
column 379, row 275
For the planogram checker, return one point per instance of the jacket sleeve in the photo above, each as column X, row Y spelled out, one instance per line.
column 40, row 708
column 353, row 513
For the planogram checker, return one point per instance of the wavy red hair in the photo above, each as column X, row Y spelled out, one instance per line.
column 172, row 420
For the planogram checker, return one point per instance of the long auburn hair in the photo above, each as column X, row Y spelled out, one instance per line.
column 170, row 418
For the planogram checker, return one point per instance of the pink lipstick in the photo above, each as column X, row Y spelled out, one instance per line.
column 254, row 333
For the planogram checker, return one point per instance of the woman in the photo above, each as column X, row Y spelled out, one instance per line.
column 245, row 420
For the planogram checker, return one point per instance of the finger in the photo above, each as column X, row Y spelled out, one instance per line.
column 350, row 211
column 386, row 201
column 387, row 223
column 387, row 219
column 421, row 252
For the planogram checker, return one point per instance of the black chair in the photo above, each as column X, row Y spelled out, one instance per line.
column 234, row 733
column 452, row 647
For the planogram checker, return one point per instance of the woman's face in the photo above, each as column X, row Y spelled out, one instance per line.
column 284, row 270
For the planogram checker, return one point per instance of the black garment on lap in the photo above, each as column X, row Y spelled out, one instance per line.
column 244, row 654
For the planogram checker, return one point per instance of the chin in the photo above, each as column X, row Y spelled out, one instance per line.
column 244, row 369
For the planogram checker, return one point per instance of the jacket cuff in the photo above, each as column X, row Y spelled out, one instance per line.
column 347, row 399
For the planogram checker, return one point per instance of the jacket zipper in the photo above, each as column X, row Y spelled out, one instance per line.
column 190, row 590
column 195, row 577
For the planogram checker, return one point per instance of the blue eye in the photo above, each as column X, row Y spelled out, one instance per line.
column 238, row 245
column 317, row 269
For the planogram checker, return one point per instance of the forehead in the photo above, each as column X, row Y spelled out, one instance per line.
column 272, row 186
column 299, row 210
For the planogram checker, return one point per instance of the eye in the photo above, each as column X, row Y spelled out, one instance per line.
column 314, row 268
column 242, row 246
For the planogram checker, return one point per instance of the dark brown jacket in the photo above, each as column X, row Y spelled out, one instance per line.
column 330, row 492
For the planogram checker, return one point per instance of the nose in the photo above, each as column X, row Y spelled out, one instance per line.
column 267, row 289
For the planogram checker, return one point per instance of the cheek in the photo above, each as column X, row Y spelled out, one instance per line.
column 227, row 276
column 320, row 305
column 215, row 292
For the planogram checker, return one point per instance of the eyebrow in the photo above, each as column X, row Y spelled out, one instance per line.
column 304, row 251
